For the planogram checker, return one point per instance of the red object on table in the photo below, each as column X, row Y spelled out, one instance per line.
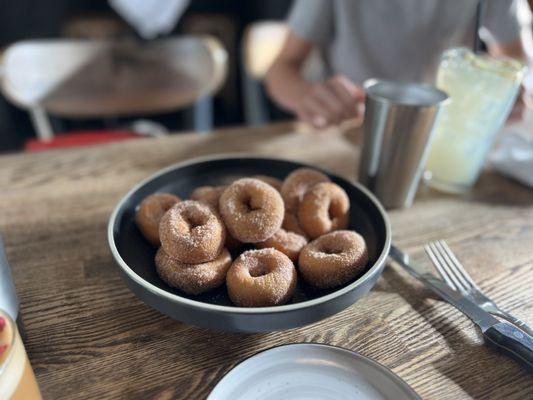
column 79, row 139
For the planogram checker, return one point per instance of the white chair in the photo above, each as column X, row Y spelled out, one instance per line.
column 100, row 79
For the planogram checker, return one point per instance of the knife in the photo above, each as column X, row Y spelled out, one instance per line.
column 504, row 336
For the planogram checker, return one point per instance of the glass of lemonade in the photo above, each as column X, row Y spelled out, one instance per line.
column 482, row 92
column 17, row 381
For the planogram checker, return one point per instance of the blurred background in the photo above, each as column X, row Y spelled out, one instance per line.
column 50, row 96
column 82, row 72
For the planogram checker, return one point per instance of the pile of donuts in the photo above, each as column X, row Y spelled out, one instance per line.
column 256, row 235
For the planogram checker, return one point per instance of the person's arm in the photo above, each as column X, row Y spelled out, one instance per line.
column 284, row 81
column 321, row 104
column 312, row 25
column 513, row 49
column 506, row 28
column 508, row 34
column 518, row 51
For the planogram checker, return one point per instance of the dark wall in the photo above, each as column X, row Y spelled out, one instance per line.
column 27, row 19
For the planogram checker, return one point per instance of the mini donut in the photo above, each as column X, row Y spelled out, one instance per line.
column 193, row 278
column 211, row 195
column 274, row 182
column 261, row 278
column 252, row 210
column 291, row 224
column 208, row 194
column 192, row 232
column 333, row 259
column 297, row 183
column 324, row 208
column 150, row 212
column 289, row 243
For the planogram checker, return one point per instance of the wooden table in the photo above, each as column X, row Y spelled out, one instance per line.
column 88, row 336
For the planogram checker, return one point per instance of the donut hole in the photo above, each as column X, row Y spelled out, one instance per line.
column 258, row 269
column 335, row 209
column 332, row 211
column 331, row 249
column 194, row 220
column 249, row 204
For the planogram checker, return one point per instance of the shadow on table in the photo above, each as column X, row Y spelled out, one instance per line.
column 468, row 363
column 491, row 188
column 389, row 283
column 494, row 188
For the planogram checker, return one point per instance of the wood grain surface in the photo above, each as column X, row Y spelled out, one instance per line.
column 89, row 337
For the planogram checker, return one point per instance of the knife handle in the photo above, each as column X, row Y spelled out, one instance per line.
column 512, row 341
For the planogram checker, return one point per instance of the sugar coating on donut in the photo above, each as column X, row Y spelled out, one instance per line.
column 333, row 259
column 150, row 212
column 324, row 208
column 261, row 278
column 252, row 210
column 274, row 182
column 289, row 243
column 296, row 185
column 193, row 278
column 192, row 232
column 208, row 194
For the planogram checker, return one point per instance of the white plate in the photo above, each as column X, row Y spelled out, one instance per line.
column 310, row 371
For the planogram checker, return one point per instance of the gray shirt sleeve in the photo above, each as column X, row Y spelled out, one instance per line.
column 312, row 20
column 501, row 21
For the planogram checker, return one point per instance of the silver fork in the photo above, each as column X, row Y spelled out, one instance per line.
column 455, row 275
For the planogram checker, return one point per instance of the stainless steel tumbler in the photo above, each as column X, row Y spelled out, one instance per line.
column 399, row 120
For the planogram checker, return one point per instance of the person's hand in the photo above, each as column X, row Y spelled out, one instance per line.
column 331, row 102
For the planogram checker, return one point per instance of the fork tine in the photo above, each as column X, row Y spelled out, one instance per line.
column 443, row 274
column 459, row 268
column 452, row 269
column 448, row 267
column 444, row 266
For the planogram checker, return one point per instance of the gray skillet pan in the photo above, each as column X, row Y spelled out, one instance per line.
column 135, row 257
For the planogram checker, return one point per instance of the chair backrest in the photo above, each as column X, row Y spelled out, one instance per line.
column 263, row 41
column 96, row 26
column 85, row 78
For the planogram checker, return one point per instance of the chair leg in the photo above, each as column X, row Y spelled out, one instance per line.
column 202, row 114
column 41, row 123
column 255, row 111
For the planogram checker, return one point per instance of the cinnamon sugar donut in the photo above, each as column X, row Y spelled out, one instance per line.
column 324, row 208
column 261, row 278
column 150, row 212
column 333, row 259
column 290, row 223
column 289, row 243
column 252, row 210
column 274, row 182
column 193, row 278
column 297, row 183
column 192, row 232
column 208, row 195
